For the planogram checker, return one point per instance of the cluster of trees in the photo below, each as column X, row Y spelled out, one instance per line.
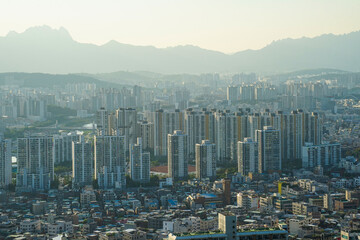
column 63, row 167
column 14, row 133
column 354, row 152
column 154, row 182
column 222, row 172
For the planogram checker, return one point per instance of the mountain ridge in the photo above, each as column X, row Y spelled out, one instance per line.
column 44, row 49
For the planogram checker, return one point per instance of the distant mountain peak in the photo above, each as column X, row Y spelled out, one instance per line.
column 42, row 31
column 11, row 34
column 185, row 46
column 112, row 43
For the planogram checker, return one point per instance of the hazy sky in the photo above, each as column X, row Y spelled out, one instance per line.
column 224, row 25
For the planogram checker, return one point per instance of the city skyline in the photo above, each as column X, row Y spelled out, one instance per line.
column 150, row 120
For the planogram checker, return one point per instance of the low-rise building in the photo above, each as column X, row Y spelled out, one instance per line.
column 134, row 234
column 31, row 226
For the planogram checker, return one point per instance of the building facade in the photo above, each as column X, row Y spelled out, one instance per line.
column 177, row 155
column 269, row 143
column 5, row 162
column 82, row 163
column 139, row 163
column 110, row 163
column 205, row 158
column 247, row 157
column 35, row 163
column 327, row 154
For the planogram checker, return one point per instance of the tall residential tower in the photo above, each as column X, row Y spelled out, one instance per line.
column 82, row 163
column 269, row 149
column 139, row 163
column 205, row 157
column 110, row 163
column 247, row 157
column 177, row 155
column 35, row 163
column 5, row 162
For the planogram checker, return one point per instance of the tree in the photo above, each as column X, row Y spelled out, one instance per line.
column 55, row 183
column 68, row 181
column 95, row 184
column 63, row 167
column 12, row 186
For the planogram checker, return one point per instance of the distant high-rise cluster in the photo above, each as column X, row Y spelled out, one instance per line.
column 32, row 106
column 250, row 92
column 235, row 121
column 276, row 138
column 258, row 142
column 226, row 128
